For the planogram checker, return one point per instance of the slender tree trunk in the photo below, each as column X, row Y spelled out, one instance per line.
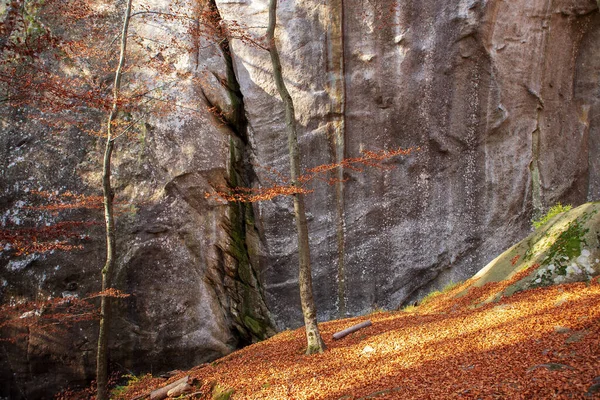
column 105, row 314
column 314, row 341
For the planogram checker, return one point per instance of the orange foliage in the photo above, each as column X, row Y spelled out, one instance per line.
column 58, row 236
column 65, row 235
column 50, row 315
column 510, row 349
column 476, row 295
column 62, row 77
column 373, row 159
column 67, row 201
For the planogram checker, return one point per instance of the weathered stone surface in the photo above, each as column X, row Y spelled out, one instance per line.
column 564, row 250
column 500, row 97
column 195, row 293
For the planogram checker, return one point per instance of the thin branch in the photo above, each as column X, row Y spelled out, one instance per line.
column 131, row 125
column 173, row 104
column 213, row 44
column 153, row 89
column 251, row 40
column 151, row 40
column 163, row 14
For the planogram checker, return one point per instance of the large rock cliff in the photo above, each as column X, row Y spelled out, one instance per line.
column 501, row 97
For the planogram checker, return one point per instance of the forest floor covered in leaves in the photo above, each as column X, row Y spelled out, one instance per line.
column 541, row 343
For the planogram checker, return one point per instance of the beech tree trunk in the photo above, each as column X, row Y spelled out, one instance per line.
column 108, row 195
column 314, row 341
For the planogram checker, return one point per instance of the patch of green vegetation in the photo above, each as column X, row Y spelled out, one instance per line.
column 31, row 14
column 409, row 308
column 241, row 218
column 220, row 393
column 430, row 296
column 568, row 244
column 566, row 247
column 555, row 241
column 144, row 129
column 449, row 286
column 257, row 327
column 120, row 391
column 558, row 208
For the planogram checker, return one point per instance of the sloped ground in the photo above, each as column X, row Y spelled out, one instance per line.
column 522, row 328
column 542, row 343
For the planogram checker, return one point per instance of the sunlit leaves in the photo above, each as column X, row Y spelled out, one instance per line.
column 281, row 186
column 498, row 350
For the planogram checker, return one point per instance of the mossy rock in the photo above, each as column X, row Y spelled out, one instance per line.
column 565, row 249
column 220, row 393
column 258, row 328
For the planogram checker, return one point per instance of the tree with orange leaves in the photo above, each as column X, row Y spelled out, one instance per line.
column 66, row 229
column 298, row 187
column 33, row 78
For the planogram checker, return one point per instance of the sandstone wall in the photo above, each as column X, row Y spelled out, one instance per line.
column 500, row 96
column 189, row 263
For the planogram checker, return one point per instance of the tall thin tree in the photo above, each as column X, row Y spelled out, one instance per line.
column 108, row 195
column 315, row 343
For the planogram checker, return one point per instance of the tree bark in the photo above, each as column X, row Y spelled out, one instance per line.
column 162, row 393
column 108, row 195
column 314, row 341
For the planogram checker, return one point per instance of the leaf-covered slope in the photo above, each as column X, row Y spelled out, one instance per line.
column 511, row 331
column 538, row 343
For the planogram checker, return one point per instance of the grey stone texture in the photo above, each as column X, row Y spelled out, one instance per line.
column 500, row 97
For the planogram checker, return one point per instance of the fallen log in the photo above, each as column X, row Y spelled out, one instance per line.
column 353, row 328
column 179, row 389
column 192, row 395
column 160, row 394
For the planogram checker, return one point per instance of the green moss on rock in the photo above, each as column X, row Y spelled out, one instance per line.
column 253, row 314
column 565, row 249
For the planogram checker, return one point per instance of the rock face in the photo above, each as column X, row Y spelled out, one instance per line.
column 501, row 97
column 190, row 264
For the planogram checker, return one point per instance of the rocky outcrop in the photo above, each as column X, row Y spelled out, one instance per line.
column 190, row 264
column 501, row 97
column 563, row 250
